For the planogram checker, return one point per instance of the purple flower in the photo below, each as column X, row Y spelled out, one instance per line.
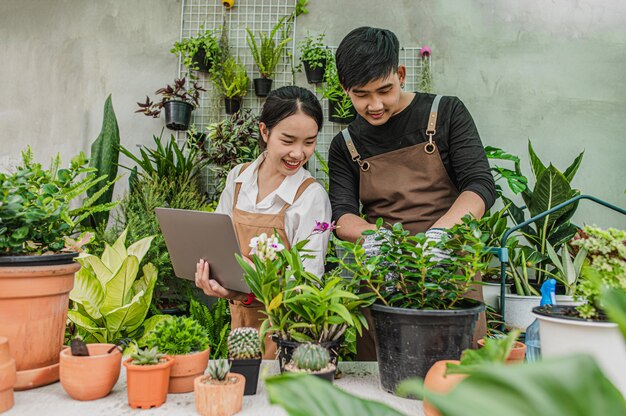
column 321, row 227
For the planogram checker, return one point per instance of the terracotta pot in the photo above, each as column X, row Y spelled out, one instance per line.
column 219, row 399
column 33, row 311
column 517, row 354
column 185, row 370
column 93, row 377
column 146, row 385
column 437, row 382
column 7, row 375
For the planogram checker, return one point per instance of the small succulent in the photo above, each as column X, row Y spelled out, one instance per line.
column 218, row 369
column 147, row 356
column 244, row 344
column 311, row 357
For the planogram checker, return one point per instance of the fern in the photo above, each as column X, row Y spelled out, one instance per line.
column 216, row 321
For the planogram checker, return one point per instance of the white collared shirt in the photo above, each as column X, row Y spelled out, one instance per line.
column 313, row 205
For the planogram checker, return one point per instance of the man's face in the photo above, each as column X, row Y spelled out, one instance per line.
column 379, row 99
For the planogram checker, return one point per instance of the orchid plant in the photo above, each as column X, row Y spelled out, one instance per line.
column 299, row 305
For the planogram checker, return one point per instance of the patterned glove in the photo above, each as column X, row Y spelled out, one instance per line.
column 435, row 253
column 372, row 242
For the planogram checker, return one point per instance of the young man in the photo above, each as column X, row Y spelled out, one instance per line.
column 409, row 157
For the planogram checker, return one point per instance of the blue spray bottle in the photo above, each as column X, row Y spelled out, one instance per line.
column 533, row 343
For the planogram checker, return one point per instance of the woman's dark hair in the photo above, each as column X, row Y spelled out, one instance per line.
column 287, row 101
column 366, row 54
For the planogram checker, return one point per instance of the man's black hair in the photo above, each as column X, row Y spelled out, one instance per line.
column 366, row 54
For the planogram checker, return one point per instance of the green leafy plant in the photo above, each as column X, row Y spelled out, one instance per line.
column 176, row 92
column 495, row 350
column 109, row 301
column 515, row 180
column 333, row 91
column 178, row 335
column 232, row 141
column 230, row 78
column 604, row 267
column 314, row 52
column 218, row 369
column 309, row 357
column 426, row 76
column 244, row 344
column 36, row 204
column 189, row 48
column 147, row 356
column 268, row 51
column 216, row 323
column 566, row 270
column 403, row 276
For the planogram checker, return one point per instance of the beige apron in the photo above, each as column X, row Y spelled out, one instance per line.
column 249, row 225
column 423, row 195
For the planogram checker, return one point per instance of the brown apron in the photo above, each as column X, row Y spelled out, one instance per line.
column 249, row 225
column 424, row 195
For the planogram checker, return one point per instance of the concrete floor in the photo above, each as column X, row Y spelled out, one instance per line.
column 360, row 378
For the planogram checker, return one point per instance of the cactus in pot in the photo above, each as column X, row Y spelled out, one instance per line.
column 244, row 353
column 313, row 359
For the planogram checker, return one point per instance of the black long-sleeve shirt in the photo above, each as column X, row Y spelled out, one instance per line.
column 457, row 139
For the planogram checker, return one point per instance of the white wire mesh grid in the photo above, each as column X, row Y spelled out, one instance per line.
column 262, row 15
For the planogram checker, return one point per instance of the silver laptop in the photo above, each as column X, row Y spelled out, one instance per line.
column 194, row 235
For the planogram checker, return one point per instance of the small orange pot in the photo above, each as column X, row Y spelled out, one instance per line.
column 92, row 377
column 437, row 382
column 146, row 385
column 185, row 370
column 7, row 375
column 219, row 399
column 517, row 354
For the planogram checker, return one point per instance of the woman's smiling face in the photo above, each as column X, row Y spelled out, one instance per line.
column 291, row 143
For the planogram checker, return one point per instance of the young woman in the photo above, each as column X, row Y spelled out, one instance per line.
column 275, row 193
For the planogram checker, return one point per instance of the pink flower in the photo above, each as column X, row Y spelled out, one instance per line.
column 425, row 51
column 321, row 227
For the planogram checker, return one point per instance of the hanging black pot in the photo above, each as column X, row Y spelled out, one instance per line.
column 285, row 350
column 232, row 105
column 250, row 370
column 201, row 62
column 333, row 107
column 177, row 115
column 410, row 341
column 314, row 75
column 262, row 86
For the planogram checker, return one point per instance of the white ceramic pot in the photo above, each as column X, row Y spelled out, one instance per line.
column 491, row 294
column 518, row 309
column 602, row 340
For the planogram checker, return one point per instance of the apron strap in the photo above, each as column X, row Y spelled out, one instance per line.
column 305, row 184
column 238, row 184
column 432, row 124
column 356, row 157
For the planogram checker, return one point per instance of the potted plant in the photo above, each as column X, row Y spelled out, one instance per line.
column 419, row 300
column 267, row 54
column 40, row 215
column 198, row 52
column 220, row 393
column 244, row 355
column 147, row 377
column 177, row 100
column 585, row 328
column 216, row 323
column 186, row 341
column 231, row 80
column 300, row 306
column 312, row 359
column 7, row 376
column 314, row 56
column 340, row 108
column 91, row 374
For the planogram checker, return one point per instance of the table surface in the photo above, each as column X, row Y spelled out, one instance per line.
column 359, row 378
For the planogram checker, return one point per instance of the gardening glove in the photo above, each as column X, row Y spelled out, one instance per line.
column 435, row 253
column 372, row 244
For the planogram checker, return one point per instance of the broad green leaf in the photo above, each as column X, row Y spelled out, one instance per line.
column 88, row 292
column 341, row 310
column 111, row 258
column 571, row 170
column 306, row 395
column 275, row 303
column 102, row 272
column 568, row 266
column 119, row 246
column 140, row 248
column 146, row 281
column 535, row 163
column 83, row 322
column 118, row 288
column 551, row 189
column 119, row 319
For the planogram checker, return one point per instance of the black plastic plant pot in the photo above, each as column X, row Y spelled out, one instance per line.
column 43, row 260
column 177, row 115
column 250, row 370
column 200, row 60
column 285, row 350
column 232, row 105
column 314, row 75
column 410, row 341
column 262, row 86
column 333, row 106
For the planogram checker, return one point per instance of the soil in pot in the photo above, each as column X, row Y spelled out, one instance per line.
column 177, row 115
column 250, row 370
column 219, row 398
column 285, row 350
column 146, row 385
column 91, row 377
column 232, row 105
column 314, row 75
column 185, row 370
column 437, row 381
column 7, row 376
column 262, row 86
column 410, row 341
